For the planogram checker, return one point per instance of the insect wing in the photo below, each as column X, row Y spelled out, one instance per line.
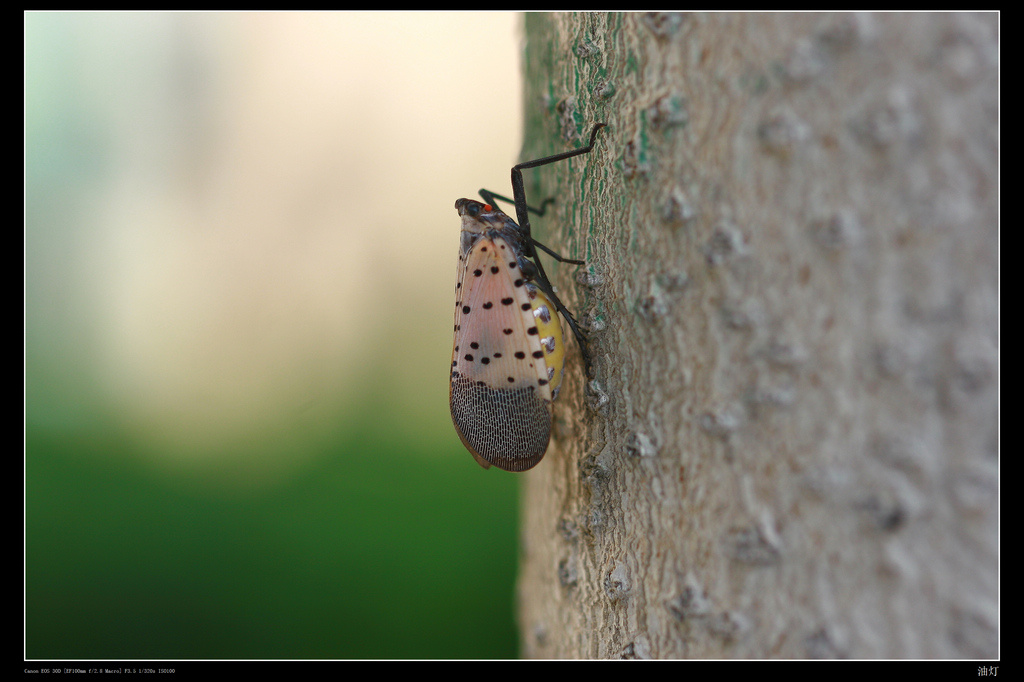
column 501, row 387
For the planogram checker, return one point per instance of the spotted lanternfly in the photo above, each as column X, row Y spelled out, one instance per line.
column 509, row 353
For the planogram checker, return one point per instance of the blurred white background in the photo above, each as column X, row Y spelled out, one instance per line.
column 240, row 224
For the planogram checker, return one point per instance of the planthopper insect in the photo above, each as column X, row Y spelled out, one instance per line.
column 509, row 353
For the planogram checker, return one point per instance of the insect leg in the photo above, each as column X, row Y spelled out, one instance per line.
column 522, row 215
column 581, row 340
column 557, row 257
column 490, row 198
column 518, row 190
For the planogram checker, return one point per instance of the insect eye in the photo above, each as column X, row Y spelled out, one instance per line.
column 473, row 209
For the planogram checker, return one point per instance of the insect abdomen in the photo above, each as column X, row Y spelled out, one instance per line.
column 506, row 427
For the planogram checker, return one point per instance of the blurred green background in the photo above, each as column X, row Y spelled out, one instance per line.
column 240, row 251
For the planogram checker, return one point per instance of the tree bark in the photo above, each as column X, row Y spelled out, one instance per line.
column 789, row 447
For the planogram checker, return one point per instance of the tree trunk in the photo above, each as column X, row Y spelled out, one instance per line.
column 789, row 447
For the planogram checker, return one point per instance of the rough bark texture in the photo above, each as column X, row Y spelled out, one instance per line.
column 790, row 446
